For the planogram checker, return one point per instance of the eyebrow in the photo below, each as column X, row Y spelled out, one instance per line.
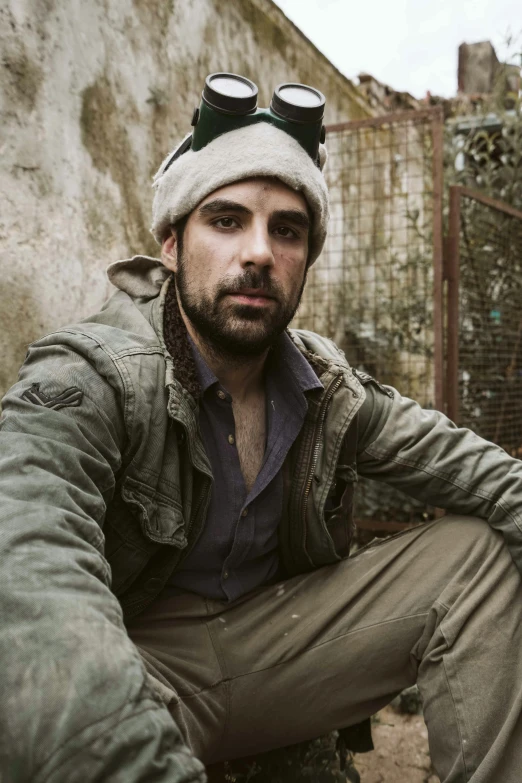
column 218, row 205
column 296, row 216
column 223, row 205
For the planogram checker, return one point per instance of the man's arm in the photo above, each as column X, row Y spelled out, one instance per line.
column 74, row 700
column 424, row 454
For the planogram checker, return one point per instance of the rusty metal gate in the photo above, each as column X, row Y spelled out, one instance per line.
column 484, row 317
column 377, row 288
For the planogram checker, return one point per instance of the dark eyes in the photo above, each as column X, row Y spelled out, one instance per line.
column 225, row 222
column 286, row 232
column 229, row 222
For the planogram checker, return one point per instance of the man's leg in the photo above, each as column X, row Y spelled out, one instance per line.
column 440, row 604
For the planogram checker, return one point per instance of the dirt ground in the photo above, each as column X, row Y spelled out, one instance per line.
column 401, row 751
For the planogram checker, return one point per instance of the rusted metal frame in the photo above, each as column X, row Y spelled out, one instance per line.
column 387, row 119
column 452, row 274
column 493, row 203
column 437, row 131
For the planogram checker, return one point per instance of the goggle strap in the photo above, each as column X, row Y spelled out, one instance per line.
column 183, row 147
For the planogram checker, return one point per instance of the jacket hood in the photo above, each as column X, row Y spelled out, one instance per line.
column 140, row 276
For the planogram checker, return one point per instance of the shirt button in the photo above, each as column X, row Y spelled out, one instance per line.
column 231, row 439
column 225, row 574
column 244, row 512
column 153, row 585
column 221, row 395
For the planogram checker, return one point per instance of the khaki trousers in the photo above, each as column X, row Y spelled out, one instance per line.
column 439, row 605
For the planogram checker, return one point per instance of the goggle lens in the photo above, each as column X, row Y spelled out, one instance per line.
column 233, row 88
column 299, row 95
column 230, row 93
column 298, row 103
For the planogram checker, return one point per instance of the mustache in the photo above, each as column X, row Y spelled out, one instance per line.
column 259, row 279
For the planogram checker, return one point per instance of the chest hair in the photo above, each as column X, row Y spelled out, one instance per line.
column 250, row 420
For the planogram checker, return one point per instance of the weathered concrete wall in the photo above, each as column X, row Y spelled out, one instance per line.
column 92, row 96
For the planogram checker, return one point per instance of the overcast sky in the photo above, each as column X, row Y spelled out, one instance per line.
column 409, row 44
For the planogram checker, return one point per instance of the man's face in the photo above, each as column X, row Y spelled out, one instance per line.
column 242, row 265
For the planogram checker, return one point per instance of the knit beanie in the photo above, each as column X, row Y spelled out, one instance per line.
column 258, row 150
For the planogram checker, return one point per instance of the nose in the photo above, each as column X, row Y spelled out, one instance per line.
column 256, row 249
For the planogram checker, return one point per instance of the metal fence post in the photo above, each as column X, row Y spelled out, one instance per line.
column 437, row 130
column 452, row 270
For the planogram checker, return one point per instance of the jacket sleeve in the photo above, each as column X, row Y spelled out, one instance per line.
column 424, row 454
column 75, row 704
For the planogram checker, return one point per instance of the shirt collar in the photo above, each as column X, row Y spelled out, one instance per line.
column 288, row 363
column 285, row 359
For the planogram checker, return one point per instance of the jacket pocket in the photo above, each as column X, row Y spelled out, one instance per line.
column 160, row 517
column 126, row 560
column 339, row 509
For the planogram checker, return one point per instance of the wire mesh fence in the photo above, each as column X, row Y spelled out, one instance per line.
column 485, row 318
column 373, row 288
column 377, row 288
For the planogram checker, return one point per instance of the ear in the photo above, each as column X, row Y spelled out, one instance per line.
column 169, row 251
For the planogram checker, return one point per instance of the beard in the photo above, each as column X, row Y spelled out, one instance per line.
column 231, row 329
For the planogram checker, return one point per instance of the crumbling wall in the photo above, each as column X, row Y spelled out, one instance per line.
column 481, row 74
column 92, row 96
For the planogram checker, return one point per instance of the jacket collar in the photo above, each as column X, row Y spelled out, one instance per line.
column 177, row 341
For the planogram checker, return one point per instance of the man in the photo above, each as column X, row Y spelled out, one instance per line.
column 176, row 478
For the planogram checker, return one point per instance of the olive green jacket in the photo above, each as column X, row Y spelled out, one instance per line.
column 104, row 488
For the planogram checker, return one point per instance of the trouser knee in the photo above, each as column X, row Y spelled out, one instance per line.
column 469, row 533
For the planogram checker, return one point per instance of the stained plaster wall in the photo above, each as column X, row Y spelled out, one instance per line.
column 92, row 96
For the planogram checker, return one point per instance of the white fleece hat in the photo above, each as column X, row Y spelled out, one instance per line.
column 258, row 150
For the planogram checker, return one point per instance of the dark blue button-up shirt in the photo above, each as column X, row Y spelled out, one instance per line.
column 237, row 549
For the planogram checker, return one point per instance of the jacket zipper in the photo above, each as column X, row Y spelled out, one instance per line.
column 315, row 454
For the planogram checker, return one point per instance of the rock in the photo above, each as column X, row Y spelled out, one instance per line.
column 409, row 702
